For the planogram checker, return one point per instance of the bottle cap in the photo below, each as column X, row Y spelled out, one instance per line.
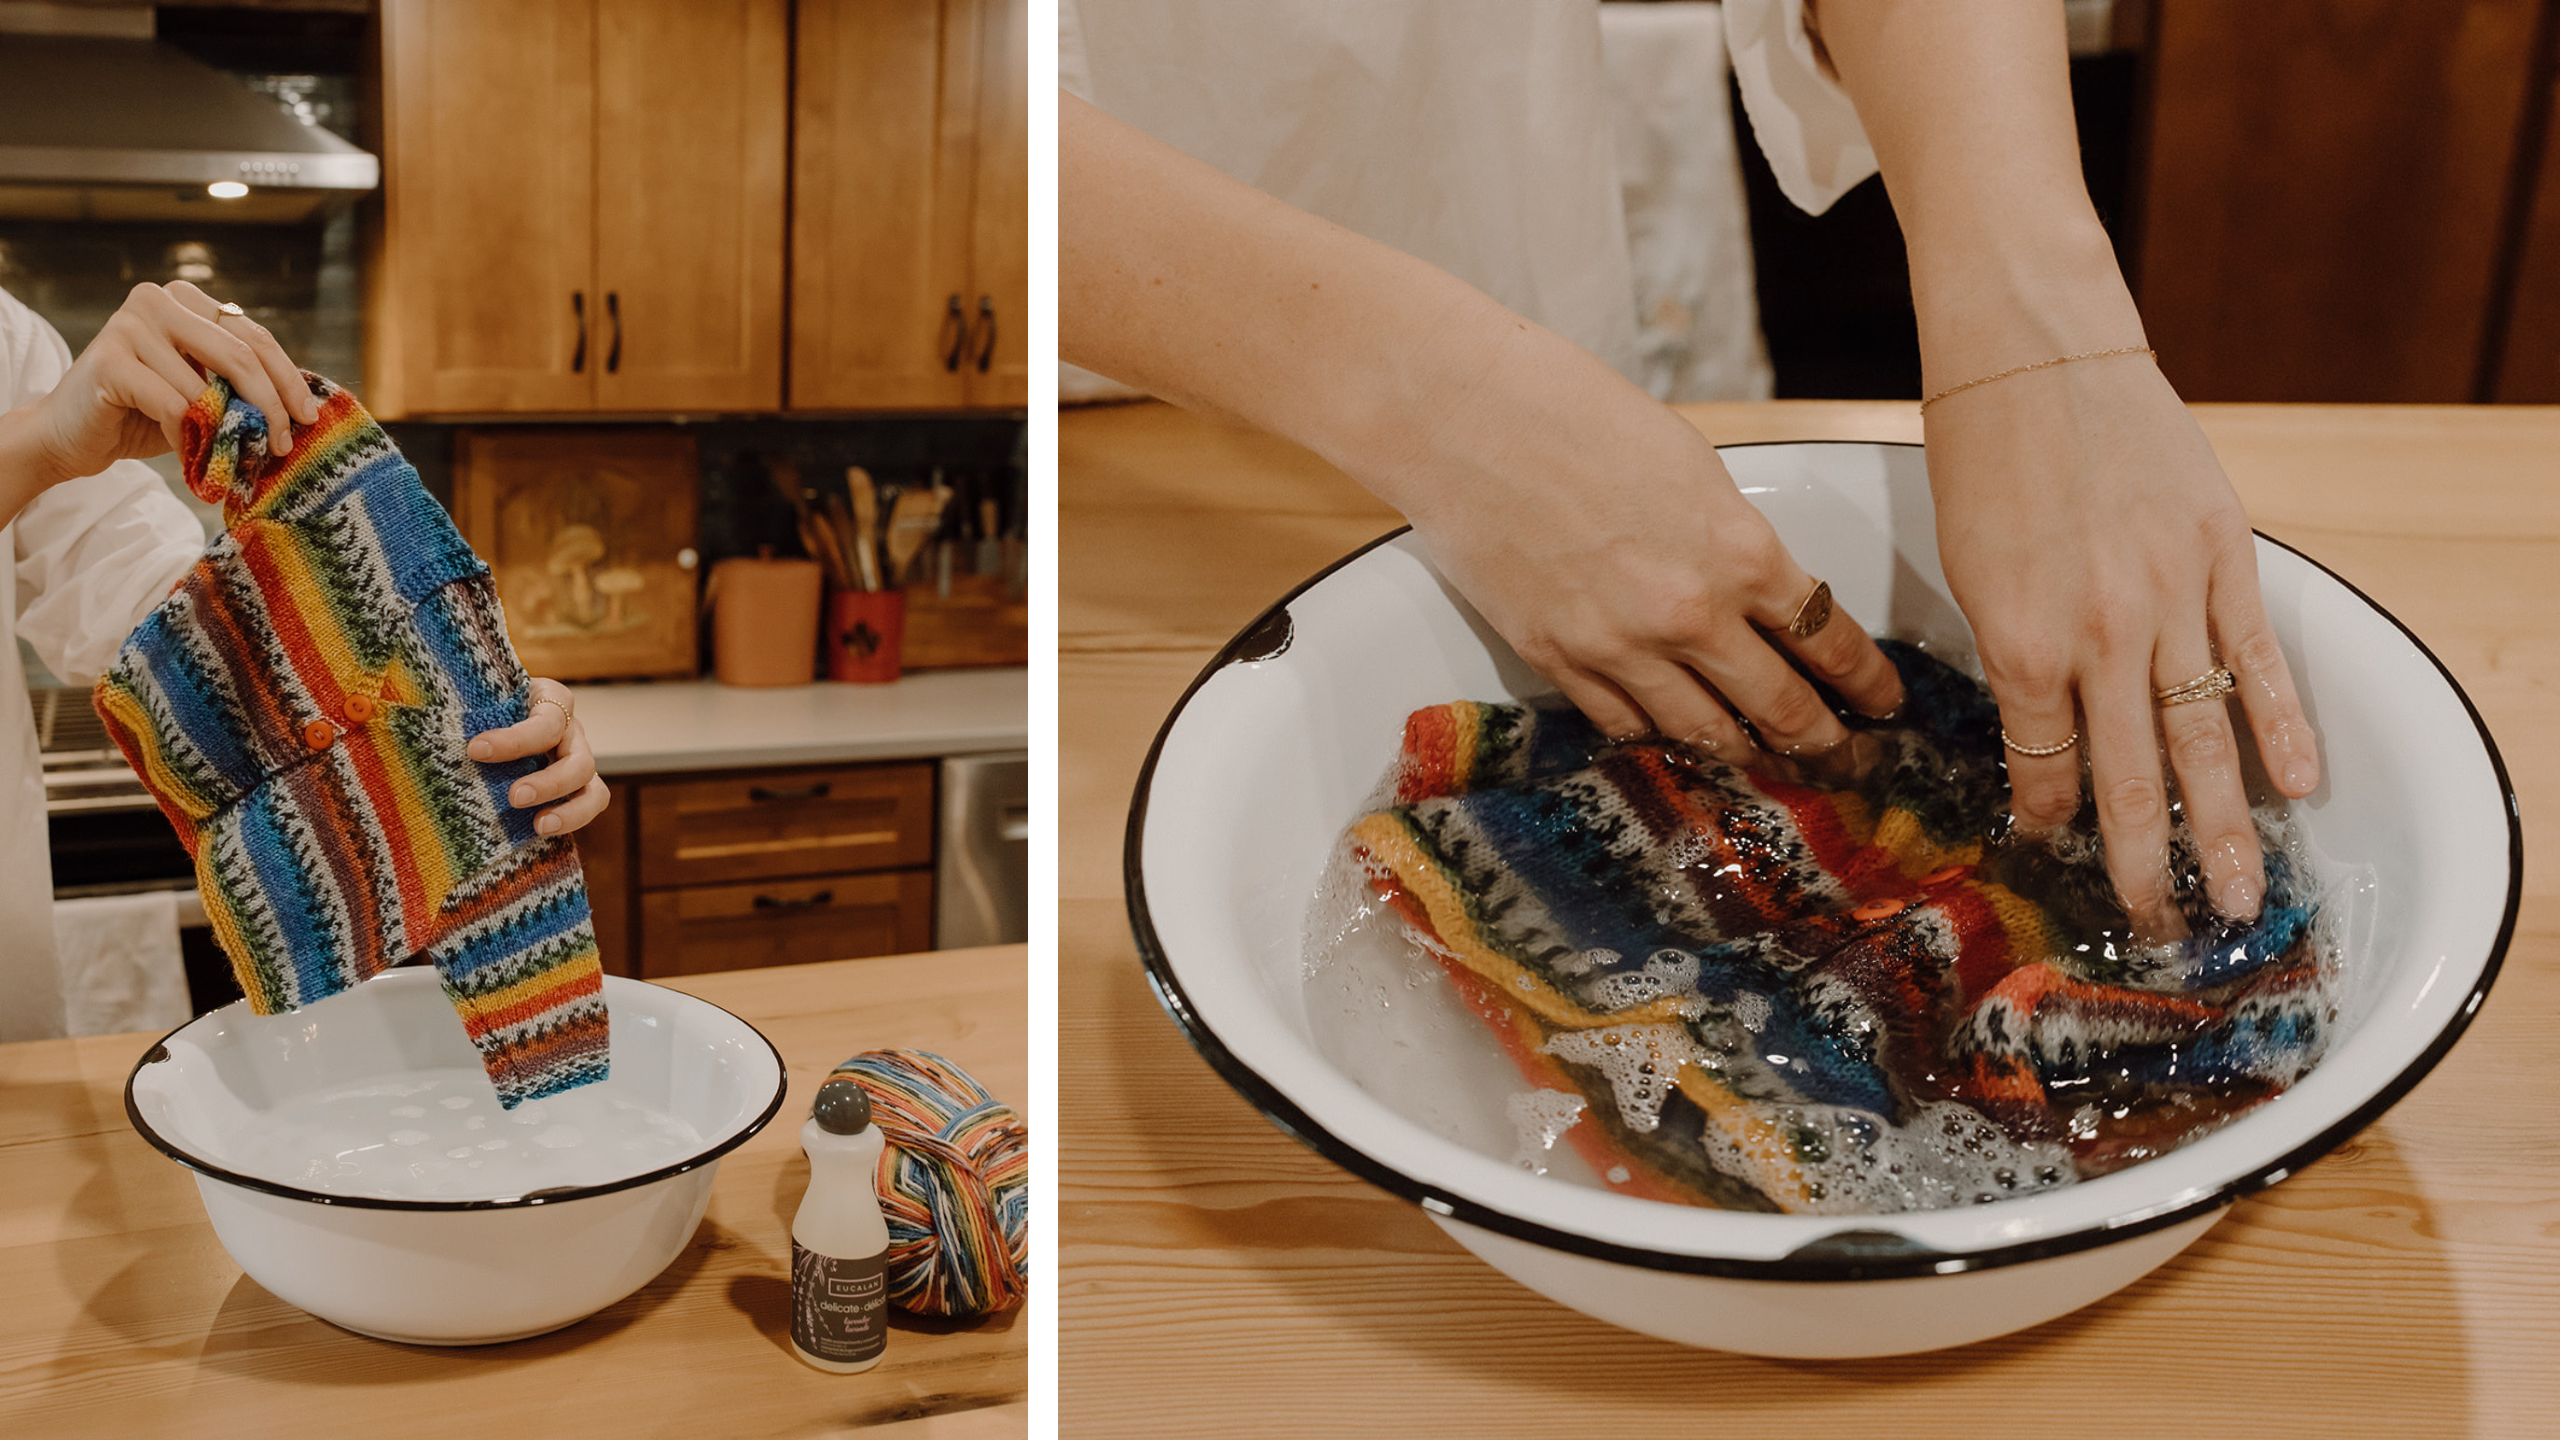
column 842, row 1108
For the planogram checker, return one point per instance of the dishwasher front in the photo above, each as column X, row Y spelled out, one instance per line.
column 982, row 871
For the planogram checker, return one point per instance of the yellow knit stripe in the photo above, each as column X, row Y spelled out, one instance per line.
column 567, row 974
column 1774, row 1171
column 427, row 851
column 310, row 599
column 129, row 716
column 1388, row 838
column 1469, row 718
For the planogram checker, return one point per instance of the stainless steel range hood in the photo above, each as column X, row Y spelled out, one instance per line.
column 124, row 129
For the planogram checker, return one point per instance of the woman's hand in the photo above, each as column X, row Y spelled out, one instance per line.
column 123, row 397
column 1599, row 533
column 2099, row 552
column 550, row 727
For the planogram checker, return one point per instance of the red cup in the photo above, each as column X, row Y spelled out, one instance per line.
column 862, row 635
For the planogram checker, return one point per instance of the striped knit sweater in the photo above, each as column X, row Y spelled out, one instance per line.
column 300, row 707
column 1747, row 983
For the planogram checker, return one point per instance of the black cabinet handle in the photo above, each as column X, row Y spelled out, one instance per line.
column 987, row 347
column 955, row 325
column 805, row 792
column 613, row 307
column 822, row 898
column 578, row 307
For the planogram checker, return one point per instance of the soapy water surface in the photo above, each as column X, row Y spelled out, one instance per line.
column 1384, row 1010
column 440, row 1135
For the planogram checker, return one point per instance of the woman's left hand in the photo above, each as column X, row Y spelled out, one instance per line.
column 2101, row 556
column 551, row 726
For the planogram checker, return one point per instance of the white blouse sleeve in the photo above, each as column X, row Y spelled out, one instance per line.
column 92, row 556
column 1802, row 118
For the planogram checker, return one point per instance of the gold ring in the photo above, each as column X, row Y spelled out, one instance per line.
column 1813, row 614
column 2211, row 685
column 554, row 704
column 228, row 308
column 2040, row 751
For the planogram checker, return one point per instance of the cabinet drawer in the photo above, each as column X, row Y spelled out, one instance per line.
column 787, row 922
column 767, row 824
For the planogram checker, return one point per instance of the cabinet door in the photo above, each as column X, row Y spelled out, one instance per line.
column 881, row 182
column 691, row 145
column 2321, row 217
column 487, row 245
column 998, row 368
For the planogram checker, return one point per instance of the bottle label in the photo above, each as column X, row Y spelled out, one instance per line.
column 839, row 1308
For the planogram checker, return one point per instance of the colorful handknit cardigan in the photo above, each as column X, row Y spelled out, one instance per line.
column 300, row 707
column 1752, row 987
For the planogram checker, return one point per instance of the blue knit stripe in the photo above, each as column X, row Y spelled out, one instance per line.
column 310, row 942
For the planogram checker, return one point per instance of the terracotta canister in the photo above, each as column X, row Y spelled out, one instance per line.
column 764, row 621
column 863, row 633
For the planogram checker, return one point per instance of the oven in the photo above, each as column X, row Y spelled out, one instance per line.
column 108, row 838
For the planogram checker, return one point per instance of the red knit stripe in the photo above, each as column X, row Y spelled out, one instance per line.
column 1430, row 755
column 1983, row 953
column 284, row 612
column 269, row 710
column 364, row 755
column 1737, row 888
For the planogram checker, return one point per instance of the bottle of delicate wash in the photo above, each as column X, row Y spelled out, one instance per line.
column 839, row 1243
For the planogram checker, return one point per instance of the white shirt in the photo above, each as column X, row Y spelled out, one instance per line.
column 79, row 569
column 1473, row 134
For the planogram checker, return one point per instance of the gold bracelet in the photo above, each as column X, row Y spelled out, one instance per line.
column 2039, row 365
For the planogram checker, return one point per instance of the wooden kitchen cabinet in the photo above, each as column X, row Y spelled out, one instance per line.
column 734, row 869
column 2328, row 193
column 910, row 220
column 583, row 207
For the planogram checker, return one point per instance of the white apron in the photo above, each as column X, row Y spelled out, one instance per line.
column 1483, row 136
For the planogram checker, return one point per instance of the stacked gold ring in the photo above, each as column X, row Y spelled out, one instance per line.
column 2211, row 685
column 2040, row 751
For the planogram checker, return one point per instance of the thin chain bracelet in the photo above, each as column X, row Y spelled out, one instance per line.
column 2039, row 365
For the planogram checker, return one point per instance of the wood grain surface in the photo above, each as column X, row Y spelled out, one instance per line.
column 1220, row 1280
column 123, row 1316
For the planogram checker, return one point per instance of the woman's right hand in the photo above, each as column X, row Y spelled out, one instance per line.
column 123, row 397
column 1601, row 535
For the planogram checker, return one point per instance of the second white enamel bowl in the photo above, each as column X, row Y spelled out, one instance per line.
column 1268, row 757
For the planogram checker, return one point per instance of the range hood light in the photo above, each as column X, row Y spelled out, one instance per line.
column 226, row 189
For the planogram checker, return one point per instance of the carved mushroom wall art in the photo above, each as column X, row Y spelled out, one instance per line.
column 617, row 585
column 575, row 548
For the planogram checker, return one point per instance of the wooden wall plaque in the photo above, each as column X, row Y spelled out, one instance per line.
column 591, row 534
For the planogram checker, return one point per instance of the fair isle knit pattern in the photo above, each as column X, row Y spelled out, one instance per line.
column 300, row 708
column 1757, row 987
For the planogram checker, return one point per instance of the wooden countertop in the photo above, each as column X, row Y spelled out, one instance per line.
column 1220, row 1280
column 123, row 1316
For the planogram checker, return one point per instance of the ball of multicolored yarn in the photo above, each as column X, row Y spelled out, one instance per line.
column 954, row 1184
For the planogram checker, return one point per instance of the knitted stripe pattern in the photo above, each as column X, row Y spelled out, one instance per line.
column 1750, row 982
column 300, row 707
column 954, row 1184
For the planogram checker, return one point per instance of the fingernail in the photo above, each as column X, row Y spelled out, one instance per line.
column 522, row 795
column 2238, row 895
column 2300, row 775
column 482, row 749
column 548, row 824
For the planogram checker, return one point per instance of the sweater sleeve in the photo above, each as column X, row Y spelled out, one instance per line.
column 1802, row 118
